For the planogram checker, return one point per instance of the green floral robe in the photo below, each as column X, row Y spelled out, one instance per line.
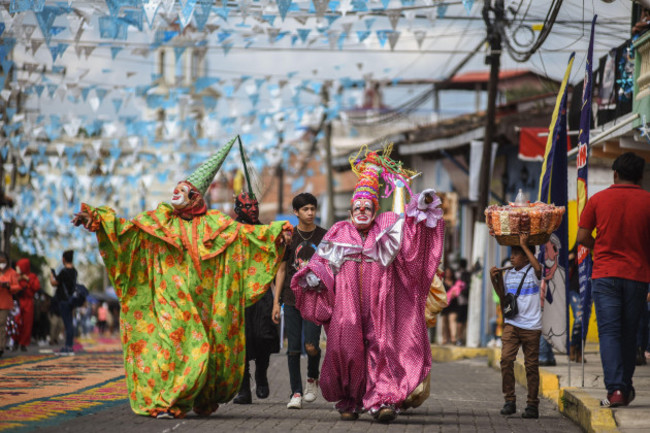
column 183, row 286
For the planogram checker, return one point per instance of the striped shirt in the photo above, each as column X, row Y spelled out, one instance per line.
column 529, row 302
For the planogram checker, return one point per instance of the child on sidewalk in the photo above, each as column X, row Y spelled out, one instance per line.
column 522, row 330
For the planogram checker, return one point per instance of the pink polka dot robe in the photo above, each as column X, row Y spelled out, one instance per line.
column 371, row 299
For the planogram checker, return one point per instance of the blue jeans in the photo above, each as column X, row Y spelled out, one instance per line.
column 295, row 326
column 545, row 351
column 576, row 307
column 618, row 309
column 65, row 309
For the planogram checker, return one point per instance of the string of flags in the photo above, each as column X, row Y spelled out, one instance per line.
column 116, row 144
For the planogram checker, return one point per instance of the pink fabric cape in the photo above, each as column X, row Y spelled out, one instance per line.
column 378, row 349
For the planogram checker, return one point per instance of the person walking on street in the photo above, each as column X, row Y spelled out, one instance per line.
column 304, row 243
column 64, row 282
column 262, row 337
column 8, row 287
column 620, row 274
column 184, row 274
column 524, row 329
column 29, row 285
column 368, row 284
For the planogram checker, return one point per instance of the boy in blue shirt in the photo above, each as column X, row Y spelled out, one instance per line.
column 522, row 330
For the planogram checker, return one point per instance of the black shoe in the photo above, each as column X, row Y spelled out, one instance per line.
column 509, row 408
column 244, row 397
column 640, row 357
column 23, row 348
column 530, row 412
column 552, row 363
column 262, row 391
column 1, row 352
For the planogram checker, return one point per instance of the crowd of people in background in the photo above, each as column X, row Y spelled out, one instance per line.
column 30, row 315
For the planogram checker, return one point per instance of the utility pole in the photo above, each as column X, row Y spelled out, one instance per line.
column 494, row 59
column 328, row 161
column 279, row 172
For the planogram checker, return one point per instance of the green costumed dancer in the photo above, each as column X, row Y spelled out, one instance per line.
column 183, row 275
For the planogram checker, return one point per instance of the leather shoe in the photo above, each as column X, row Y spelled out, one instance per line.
column 262, row 391
column 509, row 408
column 243, row 398
column 349, row 416
column 386, row 414
column 530, row 412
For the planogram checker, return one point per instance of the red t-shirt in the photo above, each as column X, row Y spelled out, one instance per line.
column 621, row 216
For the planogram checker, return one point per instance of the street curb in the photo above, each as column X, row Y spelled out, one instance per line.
column 585, row 410
column 456, row 353
column 574, row 403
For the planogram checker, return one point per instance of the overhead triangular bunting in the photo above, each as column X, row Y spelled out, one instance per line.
column 392, row 39
column 283, row 7
column 150, row 10
column 394, row 16
column 419, row 36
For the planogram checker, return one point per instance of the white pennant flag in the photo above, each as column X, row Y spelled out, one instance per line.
column 59, row 149
column 94, row 102
column 150, row 10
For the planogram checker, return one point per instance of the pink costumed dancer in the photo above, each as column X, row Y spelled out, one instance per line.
column 368, row 284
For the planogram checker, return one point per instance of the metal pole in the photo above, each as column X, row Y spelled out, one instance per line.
column 494, row 58
column 328, row 162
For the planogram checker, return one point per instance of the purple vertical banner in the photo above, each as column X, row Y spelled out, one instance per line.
column 583, row 256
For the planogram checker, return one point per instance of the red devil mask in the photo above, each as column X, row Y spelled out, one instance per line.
column 247, row 208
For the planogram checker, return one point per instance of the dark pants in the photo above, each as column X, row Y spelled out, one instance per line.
column 642, row 333
column 511, row 339
column 619, row 303
column 261, row 366
column 295, row 326
column 65, row 308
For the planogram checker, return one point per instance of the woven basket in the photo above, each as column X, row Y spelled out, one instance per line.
column 513, row 240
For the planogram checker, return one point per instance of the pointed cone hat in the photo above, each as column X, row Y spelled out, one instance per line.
column 203, row 176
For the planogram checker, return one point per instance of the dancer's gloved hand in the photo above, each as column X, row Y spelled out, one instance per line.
column 311, row 282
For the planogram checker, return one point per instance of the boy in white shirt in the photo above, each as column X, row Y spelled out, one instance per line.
column 522, row 330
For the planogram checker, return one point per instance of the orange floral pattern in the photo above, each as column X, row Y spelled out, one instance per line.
column 182, row 328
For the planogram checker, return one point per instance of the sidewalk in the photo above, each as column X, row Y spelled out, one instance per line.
column 581, row 404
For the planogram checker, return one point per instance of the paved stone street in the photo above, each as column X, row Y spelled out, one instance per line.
column 465, row 397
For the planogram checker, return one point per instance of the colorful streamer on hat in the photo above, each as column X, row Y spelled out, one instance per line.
column 369, row 165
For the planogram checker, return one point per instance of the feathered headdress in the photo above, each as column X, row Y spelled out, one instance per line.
column 369, row 166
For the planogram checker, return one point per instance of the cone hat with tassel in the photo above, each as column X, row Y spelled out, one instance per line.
column 204, row 175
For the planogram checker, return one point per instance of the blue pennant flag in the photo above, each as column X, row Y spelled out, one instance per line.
column 226, row 48
column 57, row 50
column 362, row 35
column 442, row 10
column 223, row 12
column 117, row 103
column 115, row 51
column 303, row 33
column 178, row 52
column 202, row 13
column 283, row 7
column 382, row 35
column 26, row 5
column 582, row 161
column 45, row 19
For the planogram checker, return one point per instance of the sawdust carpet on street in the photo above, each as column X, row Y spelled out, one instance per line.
column 465, row 397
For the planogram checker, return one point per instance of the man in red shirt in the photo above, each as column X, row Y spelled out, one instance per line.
column 621, row 272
